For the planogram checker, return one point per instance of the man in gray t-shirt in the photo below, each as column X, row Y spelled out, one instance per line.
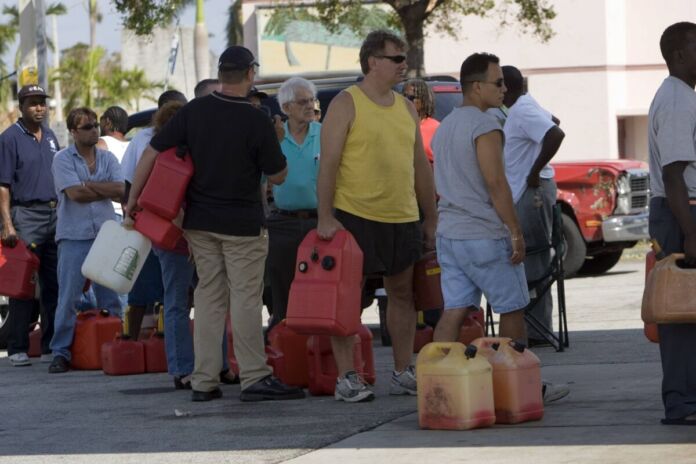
column 671, row 133
column 480, row 246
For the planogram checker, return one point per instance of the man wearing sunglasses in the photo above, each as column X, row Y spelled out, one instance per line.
column 28, row 212
column 532, row 139
column 87, row 180
column 373, row 178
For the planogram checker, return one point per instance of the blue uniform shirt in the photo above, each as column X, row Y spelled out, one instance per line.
column 299, row 191
column 25, row 163
column 81, row 221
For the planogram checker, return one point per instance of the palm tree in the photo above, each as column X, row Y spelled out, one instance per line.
column 201, row 51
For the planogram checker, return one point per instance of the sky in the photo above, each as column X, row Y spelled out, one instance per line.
column 74, row 26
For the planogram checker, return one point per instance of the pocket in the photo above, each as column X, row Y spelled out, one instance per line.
column 484, row 253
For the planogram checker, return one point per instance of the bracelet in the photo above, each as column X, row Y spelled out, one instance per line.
column 514, row 239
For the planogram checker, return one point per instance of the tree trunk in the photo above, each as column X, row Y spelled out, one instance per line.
column 412, row 21
column 201, row 51
column 235, row 28
column 93, row 17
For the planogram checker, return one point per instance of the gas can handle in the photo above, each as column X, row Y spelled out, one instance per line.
column 181, row 151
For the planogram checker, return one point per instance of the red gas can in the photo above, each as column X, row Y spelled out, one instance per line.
column 368, row 357
column 322, row 364
column 35, row 342
column 294, row 349
column 161, row 232
column 18, row 267
column 166, row 187
column 325, row 295
column 274, row 358
column 155, row 353
column 93, row 328
column 427, row 293
column 424, row 335
column 650, row 330
column 123, row 356
column 470, row 331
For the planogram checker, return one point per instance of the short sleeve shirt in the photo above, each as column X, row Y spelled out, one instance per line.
column 133, row 152
column 672, row 133
column 299, row 191
column 82, row 221
column 525, row 127
column 465, row 207
column 25, row 163
column 231, row 144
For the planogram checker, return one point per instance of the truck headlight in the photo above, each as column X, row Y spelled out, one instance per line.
column 623, row 204
column 623, row 185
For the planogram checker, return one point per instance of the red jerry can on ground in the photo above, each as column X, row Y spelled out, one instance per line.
column 123, row 356
column 325, row 294
column 424, row 335
column 162, row 232
column 93, row 328
column 18, row 268
column 368, row 357
column 470, row 330
column 650, row 329
column 166, row 187
column 274, row 357
column 35, row 342
column 427, row 293
column 155, row 353
column 322, row 364
column 293, row 346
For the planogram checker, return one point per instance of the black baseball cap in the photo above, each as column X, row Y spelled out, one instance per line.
column 236, row 58
column 254, row 92
column 31, row 90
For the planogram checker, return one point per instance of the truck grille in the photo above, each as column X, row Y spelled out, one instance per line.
column 639, row 181
column 639, row 184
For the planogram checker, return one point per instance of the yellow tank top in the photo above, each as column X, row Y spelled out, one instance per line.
column 376, row 178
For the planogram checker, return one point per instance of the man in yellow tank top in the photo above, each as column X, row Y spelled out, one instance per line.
column 373, row 177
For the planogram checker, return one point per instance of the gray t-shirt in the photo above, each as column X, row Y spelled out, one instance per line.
column 465, row 207
column 672, row 133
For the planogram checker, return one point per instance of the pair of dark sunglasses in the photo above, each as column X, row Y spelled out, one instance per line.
column 87, row 127
column 498, row 83
column 398, row 59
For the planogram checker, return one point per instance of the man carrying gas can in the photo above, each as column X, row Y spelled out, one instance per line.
column 28, row 212
column 232, row 144
column 373, row 177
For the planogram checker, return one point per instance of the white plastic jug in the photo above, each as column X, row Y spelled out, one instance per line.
column 116, row 257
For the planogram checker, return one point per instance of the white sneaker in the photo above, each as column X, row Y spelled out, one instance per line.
column 20, row 359
column 553, row 392
column 404, row 383
column 47, row 358
column 352, row 389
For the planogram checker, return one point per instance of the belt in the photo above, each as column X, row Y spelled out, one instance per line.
column 299, row 213
column 30, row 203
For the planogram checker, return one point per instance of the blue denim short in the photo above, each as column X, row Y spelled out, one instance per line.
column 471, row 268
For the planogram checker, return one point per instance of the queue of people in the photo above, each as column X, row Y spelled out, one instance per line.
column 487, row 160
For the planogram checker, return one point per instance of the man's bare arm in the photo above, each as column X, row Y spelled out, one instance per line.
column 83, row 194
column 112, row 190
column 549, row 147
column 489, row 152
column 334, row 132
column 8, row 234
column 678, row 200
column 142, row 172
column 279, row 177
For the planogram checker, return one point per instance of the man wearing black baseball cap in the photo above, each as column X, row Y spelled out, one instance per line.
column 232, row 144
column 28, row 213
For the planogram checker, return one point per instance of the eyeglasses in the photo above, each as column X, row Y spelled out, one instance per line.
column 398, row 59
column 411, row 97
column 498, row 83
column 87, row 127
column 305, row 101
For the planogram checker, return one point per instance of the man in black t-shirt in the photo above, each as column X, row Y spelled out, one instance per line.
column 232, row 144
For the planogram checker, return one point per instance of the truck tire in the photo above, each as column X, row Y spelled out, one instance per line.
column 601, row 263
column 575, row 249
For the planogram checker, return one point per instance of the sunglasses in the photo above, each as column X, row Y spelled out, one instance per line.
column 498, row 83
column 398, row 59
column 87, row 127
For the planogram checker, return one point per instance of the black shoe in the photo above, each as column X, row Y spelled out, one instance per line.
column 270, row 388
column 537, row 342
column 59, row 365
column 182, row 382
column 228, row 378
column 206, row 396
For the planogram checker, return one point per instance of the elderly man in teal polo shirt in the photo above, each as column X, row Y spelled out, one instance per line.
column 296, row 198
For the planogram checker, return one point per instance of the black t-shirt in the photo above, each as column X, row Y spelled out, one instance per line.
column 231, row 144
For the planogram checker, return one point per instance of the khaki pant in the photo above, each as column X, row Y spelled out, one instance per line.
column 230, row 275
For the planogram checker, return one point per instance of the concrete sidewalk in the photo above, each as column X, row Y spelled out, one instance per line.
column 611, row 415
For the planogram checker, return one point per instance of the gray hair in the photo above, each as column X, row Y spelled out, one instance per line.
column 286, row 92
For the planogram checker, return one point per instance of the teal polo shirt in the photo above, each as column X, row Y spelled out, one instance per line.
column 299, row 191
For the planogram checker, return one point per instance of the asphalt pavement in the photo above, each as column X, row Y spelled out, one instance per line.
column 611, row 415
